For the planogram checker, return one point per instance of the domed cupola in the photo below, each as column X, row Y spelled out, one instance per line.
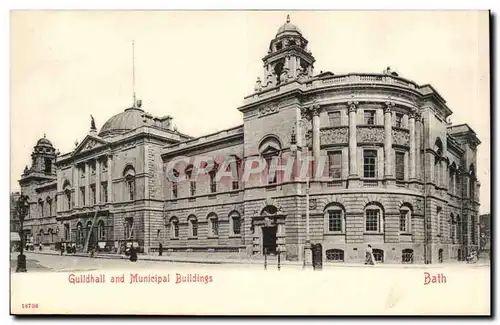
column 288, row 58
column 128, row 120
column 43, row 157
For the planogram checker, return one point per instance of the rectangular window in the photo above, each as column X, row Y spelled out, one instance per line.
column 40, row 206
column 104, row 192
column 174, row 190
column 372, row 217
column 92, row 195
column 66, row 232
column 400, row 166
column 334, row 220
column 215, row 227
column 194, row 230
column 82, row 196
column 271, row 177
column 369, row 117
column 398, row 120
column 236, row 185
column 334, row 118
column 403, row 217
column 370, row 163
column 213, row 184
column 176, row 229
column 192, row 186
column 335, row 164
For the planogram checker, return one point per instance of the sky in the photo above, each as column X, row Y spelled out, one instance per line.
column 197, row 66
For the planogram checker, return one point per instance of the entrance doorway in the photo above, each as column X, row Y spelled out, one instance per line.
column 269, row 240
column 440, row 255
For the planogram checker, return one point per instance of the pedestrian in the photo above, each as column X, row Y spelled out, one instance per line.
column 40, row 246
column 62, row 249
column 160, row 249
column 369, row 259
column 133, row 254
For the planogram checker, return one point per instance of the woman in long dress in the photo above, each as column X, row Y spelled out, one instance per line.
column 369, row 259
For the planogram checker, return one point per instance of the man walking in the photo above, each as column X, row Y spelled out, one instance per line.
column 160, row 249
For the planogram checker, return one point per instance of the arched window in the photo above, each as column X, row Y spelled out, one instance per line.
column 192, row 183
column 79, row 233
column 213, row 225
column 101, row 230
column 129, row 174
column 234, row 166
column 174, row 227
column 405, row 219
column 438, row 149
column 374, row 218
column 270, row 149
column 407, row 256
column 49, row 206
column 378, row 254
column 335, row 255
column 235, row 223
column 67, row 194
column 451, row 178
column 193, row 226
column 334, row 217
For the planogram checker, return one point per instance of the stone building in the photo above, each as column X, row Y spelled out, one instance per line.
column 398, row 175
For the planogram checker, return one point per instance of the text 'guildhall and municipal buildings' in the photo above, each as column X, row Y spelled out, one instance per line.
column 397, row 175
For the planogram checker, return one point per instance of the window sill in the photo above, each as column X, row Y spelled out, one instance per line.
column 235, row 193
column 213, row 237
column 373, row 233
column 212, row 196
column 405, row 234
column 192, row 238
column 271, row 187
column 192, row 199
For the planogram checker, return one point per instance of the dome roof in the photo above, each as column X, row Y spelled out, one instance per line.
column 288, row 27
column 127, row 120
column 44, row 142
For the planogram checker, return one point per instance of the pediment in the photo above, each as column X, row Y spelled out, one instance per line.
column 89, row 143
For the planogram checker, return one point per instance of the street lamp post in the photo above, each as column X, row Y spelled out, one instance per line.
column 22, row 211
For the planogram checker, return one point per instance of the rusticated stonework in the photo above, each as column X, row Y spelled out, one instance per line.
column 370, row 134
column 337, row 135
column 401, row 137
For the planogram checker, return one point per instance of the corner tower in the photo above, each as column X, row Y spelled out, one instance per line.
column 287, row 59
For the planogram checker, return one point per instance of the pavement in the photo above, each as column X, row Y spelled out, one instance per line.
column 214, row 261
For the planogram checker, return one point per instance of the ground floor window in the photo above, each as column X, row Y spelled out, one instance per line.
column 407, row 256
column 378, row 254
column 335, row 255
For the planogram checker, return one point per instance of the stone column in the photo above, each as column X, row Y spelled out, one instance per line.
column 388, row 156
column 418, row 137
column 87, row 183
column 110, row 178
column 353, row 165
column 76, row 186
column 315, row 111
column 411, row 126
column 97, row 181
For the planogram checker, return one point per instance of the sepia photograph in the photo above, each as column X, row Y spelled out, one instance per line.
column 250, row 162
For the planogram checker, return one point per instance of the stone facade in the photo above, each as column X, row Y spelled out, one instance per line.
column 398, row 176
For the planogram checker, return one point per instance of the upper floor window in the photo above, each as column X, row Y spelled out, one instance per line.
column 192, row 183
column 193, row 226
column 174, row 184
column 398, row 120
column 335, row 164
column 272, row 174
column 335, row 220
column 334, row 118
column 400, row 166
column 66, row 232
column 67, row 193
column 104, row 192
column 82, row 195
column 40, row 208
column 439, row 220
column 370, row 163
column 369, row 117
column 212, row 175
column 92, row 194
column 269, row 149
column 48, row 166
column 129, row 174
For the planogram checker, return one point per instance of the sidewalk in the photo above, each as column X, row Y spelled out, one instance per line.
column 270, row 261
